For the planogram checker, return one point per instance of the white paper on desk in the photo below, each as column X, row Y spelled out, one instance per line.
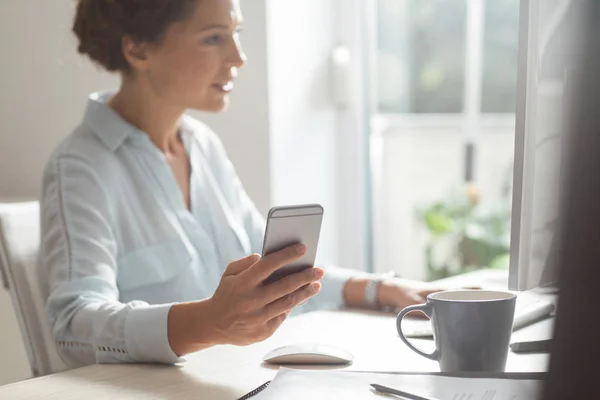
column 302, row 384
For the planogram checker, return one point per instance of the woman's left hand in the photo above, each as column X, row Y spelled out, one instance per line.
column 397, row 296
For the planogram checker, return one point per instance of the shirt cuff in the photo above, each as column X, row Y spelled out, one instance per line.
column 146, row 336
column 333, row 283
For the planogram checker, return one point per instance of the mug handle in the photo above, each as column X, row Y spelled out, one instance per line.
column 425, row 309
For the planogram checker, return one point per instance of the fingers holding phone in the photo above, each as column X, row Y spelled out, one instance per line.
column 292, row 284
column 274, row 262
column 246, row 310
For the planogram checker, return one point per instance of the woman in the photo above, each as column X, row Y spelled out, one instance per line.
column 142, row 211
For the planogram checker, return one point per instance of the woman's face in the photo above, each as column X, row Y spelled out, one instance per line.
column 194, row 66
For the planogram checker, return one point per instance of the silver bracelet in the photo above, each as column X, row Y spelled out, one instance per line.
column 372, row 287
column 371, row 292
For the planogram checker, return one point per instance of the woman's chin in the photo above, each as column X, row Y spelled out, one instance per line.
column 214, row 105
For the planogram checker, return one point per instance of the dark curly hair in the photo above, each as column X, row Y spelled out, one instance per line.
column 100, row 26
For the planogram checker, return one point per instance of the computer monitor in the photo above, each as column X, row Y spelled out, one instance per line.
column 573, row 370
column 549, row 44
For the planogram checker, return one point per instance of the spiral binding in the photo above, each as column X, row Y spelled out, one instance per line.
column 255, row 391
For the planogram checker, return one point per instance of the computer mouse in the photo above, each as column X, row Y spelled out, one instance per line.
column 309, row 354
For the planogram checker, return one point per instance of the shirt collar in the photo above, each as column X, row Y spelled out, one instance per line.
column 106, row 124
column 112, row 129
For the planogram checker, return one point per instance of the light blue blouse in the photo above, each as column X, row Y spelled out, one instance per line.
column 119, row 245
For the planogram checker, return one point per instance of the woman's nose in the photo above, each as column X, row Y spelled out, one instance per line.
column 238, row 58
column 239, row 61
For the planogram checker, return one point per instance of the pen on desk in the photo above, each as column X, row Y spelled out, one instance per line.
column 385, row 389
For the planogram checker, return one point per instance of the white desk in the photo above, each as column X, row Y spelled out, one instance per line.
column 228, row 372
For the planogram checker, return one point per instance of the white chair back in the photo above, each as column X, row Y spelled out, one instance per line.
column 19, row 250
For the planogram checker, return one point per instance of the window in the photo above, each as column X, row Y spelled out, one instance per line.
column 442, row 135
column 500, row 56
column 423, row 55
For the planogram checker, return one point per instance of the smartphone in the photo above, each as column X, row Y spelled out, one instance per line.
column 289, row 225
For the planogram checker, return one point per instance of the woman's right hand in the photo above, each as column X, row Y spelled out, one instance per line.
column 245, row 310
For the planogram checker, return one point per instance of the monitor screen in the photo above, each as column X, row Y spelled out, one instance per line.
column 550, row 42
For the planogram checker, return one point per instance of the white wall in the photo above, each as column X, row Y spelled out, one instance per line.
column 302, row 117
column 44, row 87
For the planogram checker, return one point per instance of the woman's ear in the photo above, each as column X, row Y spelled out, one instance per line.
column 136, row 53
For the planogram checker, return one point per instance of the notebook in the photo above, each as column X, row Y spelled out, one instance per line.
column 293, row 384
column 255, row 391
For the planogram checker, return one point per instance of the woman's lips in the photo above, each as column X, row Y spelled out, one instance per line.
column 224, row 87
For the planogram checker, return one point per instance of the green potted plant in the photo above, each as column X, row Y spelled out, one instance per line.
column 465, row 234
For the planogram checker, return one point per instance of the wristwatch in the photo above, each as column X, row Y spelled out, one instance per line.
column 372, row 287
